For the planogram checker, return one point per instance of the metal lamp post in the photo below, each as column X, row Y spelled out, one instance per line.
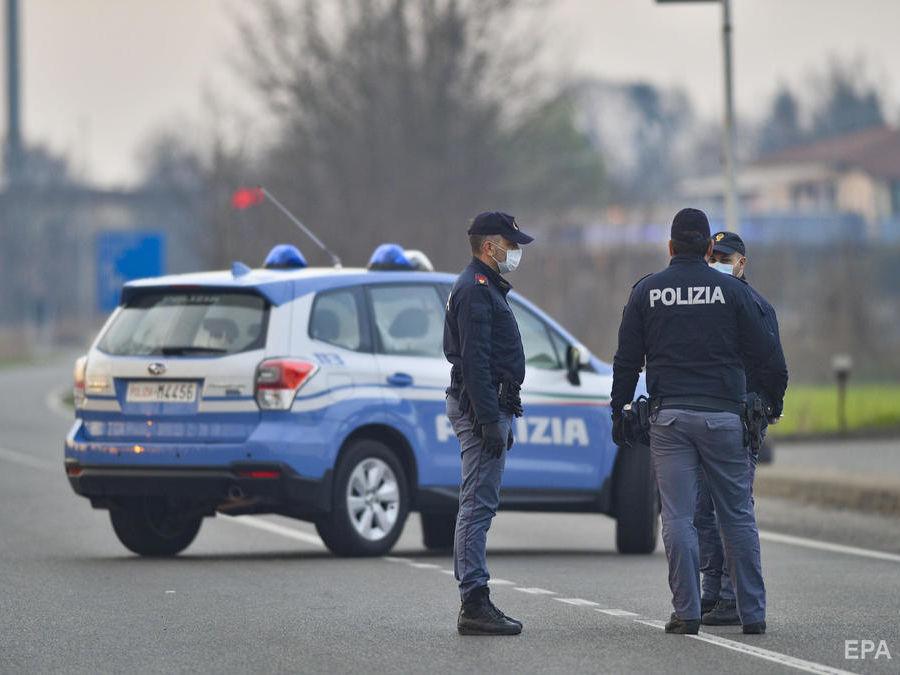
column 731, row 193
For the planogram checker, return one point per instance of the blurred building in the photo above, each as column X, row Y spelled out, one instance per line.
column 845, row 187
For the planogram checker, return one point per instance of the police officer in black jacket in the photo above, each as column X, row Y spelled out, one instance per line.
column 482, row 341
column 695, row 328
column 729, row 256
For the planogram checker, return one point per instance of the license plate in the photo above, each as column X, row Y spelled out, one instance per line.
column 161, row 392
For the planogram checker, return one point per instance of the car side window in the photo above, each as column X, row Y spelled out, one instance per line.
column 335, row 319
column 539, row 349
column 560, row 343
column 409, row 319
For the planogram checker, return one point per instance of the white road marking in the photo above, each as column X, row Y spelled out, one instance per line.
column 450, row 572
column 536, row 591
column 758, row 652
column 501, row 582
column 616, row 612
column 395, row 560
column 578, row 602
column 828, row 546
column 30, row 461
column 170, row 592
column 424, row 566
column 274, row 528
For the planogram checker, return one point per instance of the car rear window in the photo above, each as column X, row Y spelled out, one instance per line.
column 186, row 324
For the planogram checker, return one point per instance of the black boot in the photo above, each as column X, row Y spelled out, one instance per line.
column 723, row 614
column 757, row 628
column 682, row 626
column 707, row 605
column 479, row 616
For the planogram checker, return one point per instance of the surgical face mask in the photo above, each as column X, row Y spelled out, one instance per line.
column 723, row 267
column 513, row 258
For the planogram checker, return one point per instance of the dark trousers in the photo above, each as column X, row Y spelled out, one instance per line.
column 682, row 443
column 479, row 497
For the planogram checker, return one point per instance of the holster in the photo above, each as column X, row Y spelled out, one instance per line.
column 755, row 416
column 637, row 420
column 509, row 397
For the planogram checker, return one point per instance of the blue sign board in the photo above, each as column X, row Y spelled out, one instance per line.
column 123, row 256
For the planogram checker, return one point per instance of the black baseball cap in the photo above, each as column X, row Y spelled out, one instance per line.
column 497, row 222
column 690, row 225
column 728, row 243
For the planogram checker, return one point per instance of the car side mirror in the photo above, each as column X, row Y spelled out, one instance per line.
column 577, row 356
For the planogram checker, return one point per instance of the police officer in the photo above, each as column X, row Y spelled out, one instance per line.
column 718, row 604
column 482, row 341
column 696, row 327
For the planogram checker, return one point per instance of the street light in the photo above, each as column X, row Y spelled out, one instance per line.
column 731, row 194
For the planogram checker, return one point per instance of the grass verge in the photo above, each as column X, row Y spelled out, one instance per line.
column 813, row 410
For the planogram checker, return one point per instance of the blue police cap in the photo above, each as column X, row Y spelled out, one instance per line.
column 497, row 222
column 285, row 257
column 690, row 225
column 728, row 243
column 390, row 257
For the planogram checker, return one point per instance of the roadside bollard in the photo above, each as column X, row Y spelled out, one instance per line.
column 842, row 364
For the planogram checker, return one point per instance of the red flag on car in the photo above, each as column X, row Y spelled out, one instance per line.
column 244, row 198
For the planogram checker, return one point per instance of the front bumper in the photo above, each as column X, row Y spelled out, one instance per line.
column 236, row 488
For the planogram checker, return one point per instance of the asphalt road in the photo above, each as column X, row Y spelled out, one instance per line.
column 262, row 594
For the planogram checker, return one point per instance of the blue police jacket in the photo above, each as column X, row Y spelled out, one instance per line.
column 756, row 382
column 481, row 340
column 695, row 328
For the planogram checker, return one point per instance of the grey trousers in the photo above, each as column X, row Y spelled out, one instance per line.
column 682, row 443
column 715, row 581
column 479, row 497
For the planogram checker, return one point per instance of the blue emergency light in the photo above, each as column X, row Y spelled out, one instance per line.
column 285, row 257
column 390, row 257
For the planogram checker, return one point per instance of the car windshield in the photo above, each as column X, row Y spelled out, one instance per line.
column 188, row 324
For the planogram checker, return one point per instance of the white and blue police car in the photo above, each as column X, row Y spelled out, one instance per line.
column 318, row 393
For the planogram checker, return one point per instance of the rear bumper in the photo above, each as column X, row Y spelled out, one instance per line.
column 232, row 489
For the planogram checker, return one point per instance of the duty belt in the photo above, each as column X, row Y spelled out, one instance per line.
column 710, row 403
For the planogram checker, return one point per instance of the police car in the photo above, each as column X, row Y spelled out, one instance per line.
column 319, row 393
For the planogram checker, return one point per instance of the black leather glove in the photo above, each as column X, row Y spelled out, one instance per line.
column 494, row 436
column 619, row 432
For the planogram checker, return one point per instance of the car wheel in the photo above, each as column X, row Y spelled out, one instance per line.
column 154, row 526
column 438, row 531
column 371, row 502
column 636, row 501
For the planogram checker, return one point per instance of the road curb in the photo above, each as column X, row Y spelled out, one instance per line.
column 865, row 493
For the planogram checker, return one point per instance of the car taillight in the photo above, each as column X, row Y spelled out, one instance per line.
column 279, row 380
column 78, row 376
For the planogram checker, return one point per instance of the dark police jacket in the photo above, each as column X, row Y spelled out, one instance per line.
column 756, row 382
column 481, row 340
column 696, row 328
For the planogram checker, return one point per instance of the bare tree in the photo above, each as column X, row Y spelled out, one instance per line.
column 400, row 119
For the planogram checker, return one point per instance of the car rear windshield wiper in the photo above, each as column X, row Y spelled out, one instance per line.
column 180, row 351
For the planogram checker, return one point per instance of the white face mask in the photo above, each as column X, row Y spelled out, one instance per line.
column 724, row 268
column 513, row 258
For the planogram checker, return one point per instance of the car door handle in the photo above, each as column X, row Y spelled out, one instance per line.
column 400, row 380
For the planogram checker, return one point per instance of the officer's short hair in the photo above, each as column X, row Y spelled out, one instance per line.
column 476, row 240
column 690, row 245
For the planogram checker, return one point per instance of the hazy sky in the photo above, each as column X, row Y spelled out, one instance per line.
column 100, row 75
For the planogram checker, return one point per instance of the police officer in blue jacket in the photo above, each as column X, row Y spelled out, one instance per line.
column 482, row 341
column 718, row 604
column 695, row 328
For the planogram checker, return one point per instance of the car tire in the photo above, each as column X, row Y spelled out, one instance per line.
column 636, row 501
column 438, row 531
column 154, row 526
column 371, row 501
